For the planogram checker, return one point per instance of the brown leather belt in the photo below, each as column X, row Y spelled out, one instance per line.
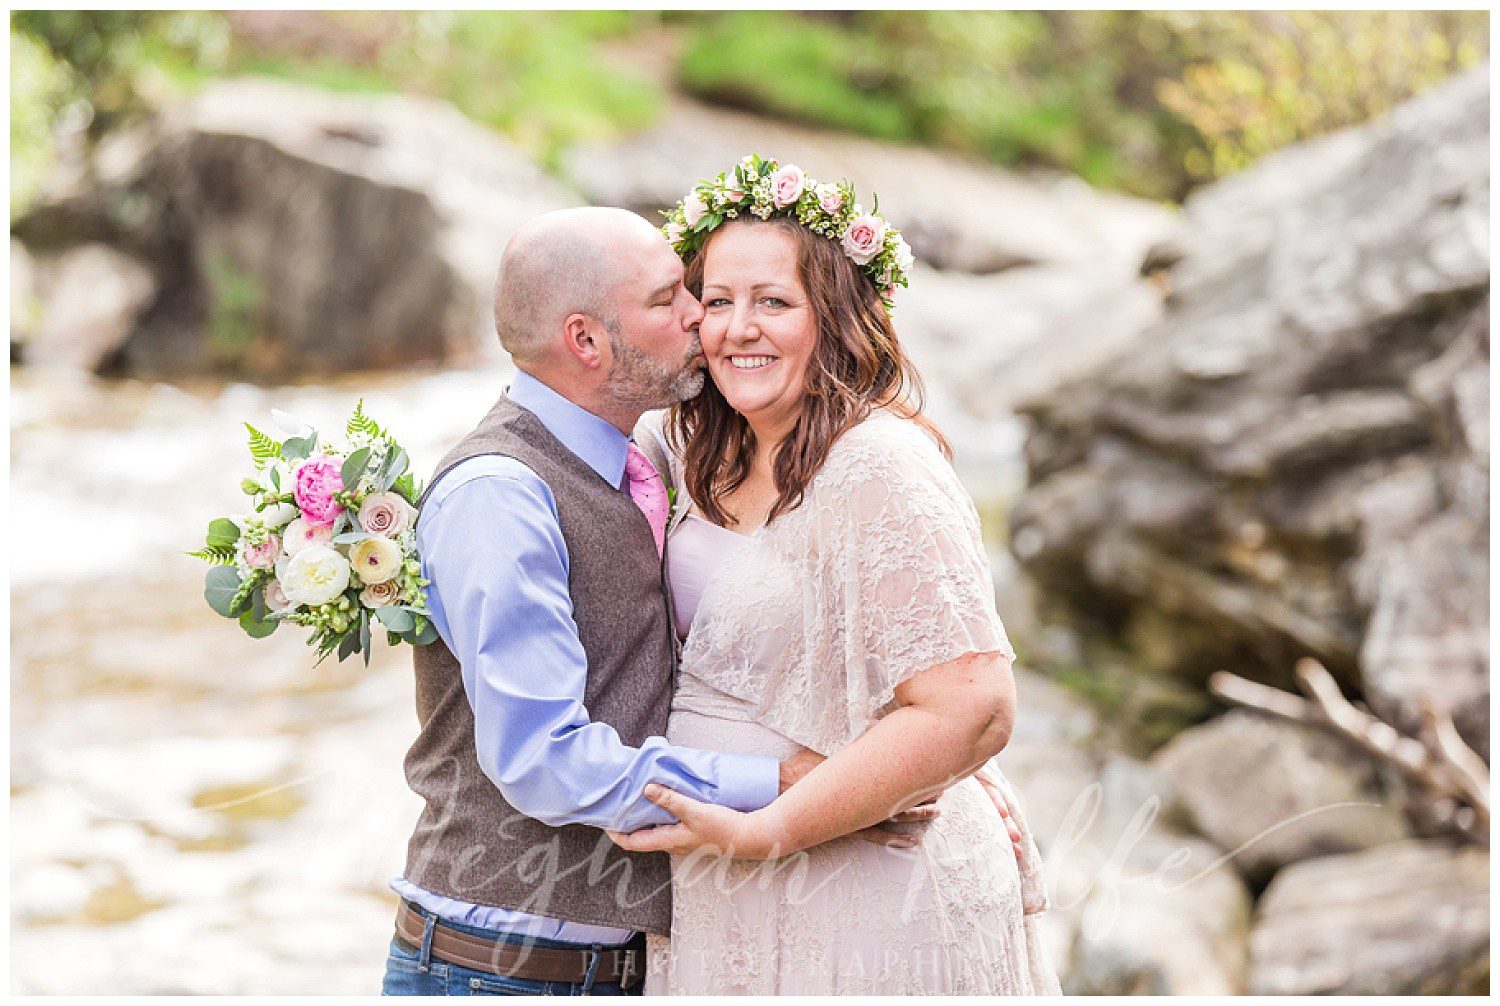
column 624, row 964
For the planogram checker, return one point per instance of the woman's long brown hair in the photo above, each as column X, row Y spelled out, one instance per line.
column 857, row 366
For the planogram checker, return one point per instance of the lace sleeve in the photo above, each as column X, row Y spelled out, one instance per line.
column 910, row 567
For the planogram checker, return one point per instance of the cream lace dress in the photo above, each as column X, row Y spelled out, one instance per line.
column 799, row 635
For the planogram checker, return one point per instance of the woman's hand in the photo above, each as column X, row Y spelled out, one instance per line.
column 714, row 829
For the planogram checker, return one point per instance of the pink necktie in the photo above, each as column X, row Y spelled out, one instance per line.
column 649, row 493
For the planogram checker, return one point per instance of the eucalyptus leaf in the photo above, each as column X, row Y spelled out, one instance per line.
column 395, row 466
column 349, row 644
column 426, row 635
column 299, row 448
column 258, row 605
column 222, row 532
column 257, row 628
column 220, row 587
column 364, row 634
column 395, row 618
column 351, row 537
column 354, row 467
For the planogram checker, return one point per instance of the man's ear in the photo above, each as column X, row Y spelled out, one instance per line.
column 583, row 338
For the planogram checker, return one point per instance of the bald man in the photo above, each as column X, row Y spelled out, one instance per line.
column 543, row 704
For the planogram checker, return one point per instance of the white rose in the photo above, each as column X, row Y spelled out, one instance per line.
column 693, row 209
column 674, row 231
column 376, row 560
column 315, row 575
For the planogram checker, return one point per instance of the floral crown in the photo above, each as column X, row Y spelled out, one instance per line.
column 767, row 188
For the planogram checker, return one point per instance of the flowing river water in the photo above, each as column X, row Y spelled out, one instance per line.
column 193, row 811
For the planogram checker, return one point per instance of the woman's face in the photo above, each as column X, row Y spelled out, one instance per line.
column 758, row 328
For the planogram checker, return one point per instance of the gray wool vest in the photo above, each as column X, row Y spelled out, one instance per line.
column 469, row 843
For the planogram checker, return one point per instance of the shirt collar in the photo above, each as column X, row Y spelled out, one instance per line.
column 597, row 442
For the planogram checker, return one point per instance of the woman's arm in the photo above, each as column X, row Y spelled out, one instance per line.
column 951, row 719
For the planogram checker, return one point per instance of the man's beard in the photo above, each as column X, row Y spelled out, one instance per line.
column 637, row 380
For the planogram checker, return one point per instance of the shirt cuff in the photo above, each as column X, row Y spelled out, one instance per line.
column 747, row 782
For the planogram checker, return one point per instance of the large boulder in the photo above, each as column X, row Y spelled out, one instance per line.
column 1292, row 462
column 1409, row 918
column 1273, row 793
column 294, row 232
column 76, row 308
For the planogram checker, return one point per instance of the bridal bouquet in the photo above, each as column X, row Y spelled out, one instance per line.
column 329, row 541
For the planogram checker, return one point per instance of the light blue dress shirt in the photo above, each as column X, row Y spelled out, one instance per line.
column 492, row 545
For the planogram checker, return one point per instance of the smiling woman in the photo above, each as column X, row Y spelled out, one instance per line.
column 855, row 626
column 800, row 348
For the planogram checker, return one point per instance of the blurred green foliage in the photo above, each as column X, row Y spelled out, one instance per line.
column 535, row 75
column 1151, row 102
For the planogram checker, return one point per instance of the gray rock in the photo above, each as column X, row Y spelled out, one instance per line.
column 957, row 214
column 1408, row 918
column 78, row 307
column 1273, row 793
column 295, row 232
column 1293, row 461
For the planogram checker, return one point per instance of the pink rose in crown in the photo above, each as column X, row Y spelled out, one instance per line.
column 829, row 197
column 317, row 480
column 864, row 238
column 787, row 184
column 694, row 209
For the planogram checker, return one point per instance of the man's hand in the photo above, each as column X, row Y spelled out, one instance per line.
column 998, row 799
column 805, row 760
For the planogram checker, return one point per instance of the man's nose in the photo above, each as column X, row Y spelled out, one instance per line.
column 695, row 313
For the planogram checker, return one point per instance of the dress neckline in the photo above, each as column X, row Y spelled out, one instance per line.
column 719, row 527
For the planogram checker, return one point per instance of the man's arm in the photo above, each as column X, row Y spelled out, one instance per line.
column 491, row 545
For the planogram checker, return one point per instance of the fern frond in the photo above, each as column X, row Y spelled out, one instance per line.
column 215, row 555
column 262, row 447
column 361, row 423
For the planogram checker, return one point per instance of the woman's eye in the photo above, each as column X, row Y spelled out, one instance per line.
column 774, row 301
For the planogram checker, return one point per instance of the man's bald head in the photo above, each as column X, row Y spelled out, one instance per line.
column 563, row 263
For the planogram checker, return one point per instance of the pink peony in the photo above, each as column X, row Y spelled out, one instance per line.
column 264, row 555
column 299, row 534
column 317, row 480
column 385, row 513
column 829, row 197
column 787, row 184
column 864, row 238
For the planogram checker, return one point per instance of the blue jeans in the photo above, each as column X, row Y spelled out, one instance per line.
column 411, row 972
